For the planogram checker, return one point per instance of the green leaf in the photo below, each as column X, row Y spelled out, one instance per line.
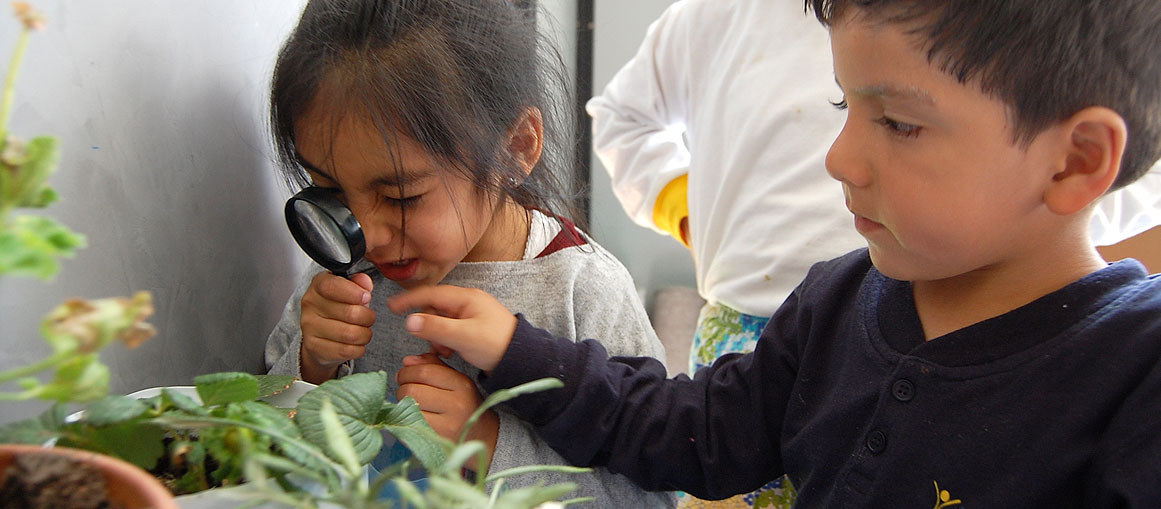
column 531, row 469
column 454, row 489
column 405, row 421
column 182, row 402
column 79, row 379
column 38, row 430
column 269, row 385
column 461, row 454
column 7, row 172
column 229, row 387
column 501, row 396
column 409, row 493
column 114, row 409
column 42, row 155
column 194, row 459
column 30, row 246
column 357, row 399
column 532, row 496
column 139, row 444
column 275, row 419
column 339, row 444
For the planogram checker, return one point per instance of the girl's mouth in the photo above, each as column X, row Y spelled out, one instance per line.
column 399, row 271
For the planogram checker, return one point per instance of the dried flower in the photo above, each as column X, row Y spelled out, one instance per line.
column 14, row 153
column 32, row 19
column 86, row 326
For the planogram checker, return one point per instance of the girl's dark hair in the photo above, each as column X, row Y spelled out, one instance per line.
column 455, row 75
column 1045, row 59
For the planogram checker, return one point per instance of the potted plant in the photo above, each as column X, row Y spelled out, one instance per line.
column 286, row 442
column 29, row 246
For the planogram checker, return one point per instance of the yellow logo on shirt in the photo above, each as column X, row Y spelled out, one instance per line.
column 943, row 498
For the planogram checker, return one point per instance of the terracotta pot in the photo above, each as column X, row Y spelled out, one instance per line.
column 129, row 486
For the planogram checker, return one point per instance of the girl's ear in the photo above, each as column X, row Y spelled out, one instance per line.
column 526, row 139
column 1090, row 159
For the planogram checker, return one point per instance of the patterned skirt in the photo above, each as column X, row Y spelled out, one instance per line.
column 722, row 330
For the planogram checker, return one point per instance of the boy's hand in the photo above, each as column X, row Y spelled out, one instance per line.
column 467, row 320
column 447, row 398
column 336, row 324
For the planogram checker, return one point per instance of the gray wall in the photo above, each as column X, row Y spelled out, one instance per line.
column 160, row 108
column 655, row 261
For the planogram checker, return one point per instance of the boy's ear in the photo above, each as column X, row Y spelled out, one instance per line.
column 526, row 139
column 1090, row 159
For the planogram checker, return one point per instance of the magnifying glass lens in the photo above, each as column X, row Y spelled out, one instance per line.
column 325, row 228
column 321, row 231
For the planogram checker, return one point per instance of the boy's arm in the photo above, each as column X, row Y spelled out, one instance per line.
column 1127, row 467
column 712, row 436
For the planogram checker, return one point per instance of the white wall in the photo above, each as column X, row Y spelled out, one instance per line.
column 160, row 107
column 655, row 261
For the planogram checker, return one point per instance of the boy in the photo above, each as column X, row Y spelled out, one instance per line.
column 978, row 352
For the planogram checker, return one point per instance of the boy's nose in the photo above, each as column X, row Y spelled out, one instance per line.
column 845, row 162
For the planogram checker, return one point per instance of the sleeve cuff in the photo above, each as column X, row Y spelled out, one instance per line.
column 672, row 206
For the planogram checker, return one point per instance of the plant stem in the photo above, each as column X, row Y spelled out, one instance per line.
column 22, row 371
column 10, row 85
column 17, row 396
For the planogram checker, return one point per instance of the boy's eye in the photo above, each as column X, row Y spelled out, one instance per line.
column 899, row 128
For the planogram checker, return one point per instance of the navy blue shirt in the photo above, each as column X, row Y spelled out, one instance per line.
column 1054, row 404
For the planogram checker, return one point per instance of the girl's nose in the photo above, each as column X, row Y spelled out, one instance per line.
column 845, row 161
column 376, row 234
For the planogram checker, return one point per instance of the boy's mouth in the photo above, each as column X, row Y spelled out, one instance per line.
column 865, row 226
column 401, row 270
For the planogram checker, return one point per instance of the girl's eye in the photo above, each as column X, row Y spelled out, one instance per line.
column 335, row 191
column 841, row 105
column 403, row 203
column 897, row 128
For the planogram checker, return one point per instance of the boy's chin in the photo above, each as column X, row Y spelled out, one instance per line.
column 893, row 266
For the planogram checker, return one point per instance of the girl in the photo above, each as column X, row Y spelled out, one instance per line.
column 431, row 121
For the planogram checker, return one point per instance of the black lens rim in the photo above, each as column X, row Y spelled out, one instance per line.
column 329, row 203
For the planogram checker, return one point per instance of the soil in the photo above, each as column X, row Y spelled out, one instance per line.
column 36, row 481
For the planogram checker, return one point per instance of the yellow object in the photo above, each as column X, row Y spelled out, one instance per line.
column 672, row 206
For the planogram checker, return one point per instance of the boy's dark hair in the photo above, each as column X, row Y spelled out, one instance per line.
column 1046, row 59
column 455, row 75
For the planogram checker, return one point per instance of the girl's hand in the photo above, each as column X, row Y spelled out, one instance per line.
column 447, row 398
column 466, row 320
column 336, row 324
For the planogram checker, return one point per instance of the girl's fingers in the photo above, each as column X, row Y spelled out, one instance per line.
column 441, row 351
column 354, row 291
column 427, row 358
column 338, row 331
column 433, row 374
column 328, row 352
column 364, row 282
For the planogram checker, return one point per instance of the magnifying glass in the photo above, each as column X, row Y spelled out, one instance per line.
column 326, row 229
